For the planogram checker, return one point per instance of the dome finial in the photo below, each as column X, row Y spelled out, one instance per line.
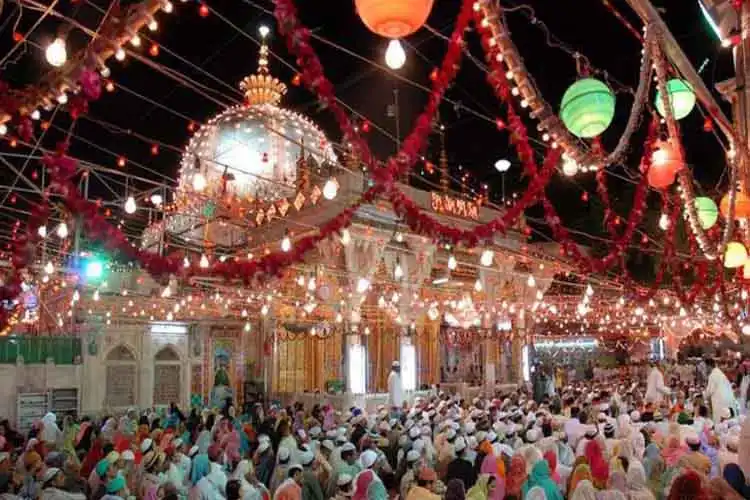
column 262, row 88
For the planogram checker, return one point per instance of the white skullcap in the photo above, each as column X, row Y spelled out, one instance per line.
column 315, row 431
column 418, row 445
column 328, row 444
column 472, row 442
column 412, row 456
column 726, row 414
column 146, row 445
column 426, row 431
column 343, row 479
column 284, row 454
column 368, row 458
column 450, row 433
column 306, row 457
column 264, row 437
column 470, row 427
column 348, row 447
column 414, row 432
column 128, row 456
column 459, row 444
column 491, row 436
column 263, row 446
column 635, row 416
column 533, row 435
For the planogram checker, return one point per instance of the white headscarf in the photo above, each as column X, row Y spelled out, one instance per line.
column 536, row 493
column 50, row 430
column 584, row 491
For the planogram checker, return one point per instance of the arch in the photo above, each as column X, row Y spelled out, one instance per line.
column 121, row 353
column 168, row 353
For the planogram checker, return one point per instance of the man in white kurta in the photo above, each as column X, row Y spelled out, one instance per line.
column 395, row 387
column 719, row 392
column 655, row 388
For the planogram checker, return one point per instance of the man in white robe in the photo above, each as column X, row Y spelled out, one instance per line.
column 395, row 387
column 655, row 388
column 719, row 392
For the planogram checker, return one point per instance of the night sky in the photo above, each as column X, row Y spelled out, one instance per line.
column 473, row 143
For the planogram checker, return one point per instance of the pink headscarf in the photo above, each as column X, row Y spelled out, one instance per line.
column 329, row 421
column 551, row 459
column 489, row 466
column 230, row 443
column 364, row 479
column 673, row 451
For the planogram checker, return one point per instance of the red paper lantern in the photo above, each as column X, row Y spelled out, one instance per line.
column 666, row 161
column 393, row 18
column 741, row 205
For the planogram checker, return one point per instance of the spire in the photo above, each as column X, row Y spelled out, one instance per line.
column 262, row 87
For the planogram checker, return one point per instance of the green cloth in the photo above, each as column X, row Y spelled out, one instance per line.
column 540, row 476
column 311, row 489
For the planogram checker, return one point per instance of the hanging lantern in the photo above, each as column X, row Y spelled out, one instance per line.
column 707, row 210
column 666, row 161
column 681, row 96
column 741, row 205
column 735, row 255
column 393, row 18
column 588, row 107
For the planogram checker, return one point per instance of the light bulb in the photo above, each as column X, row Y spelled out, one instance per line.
column 130, row 206
column 362, row 285
column 62, row 98
column 42, row 231
column 486, row 258
column 263, row 30
column 395, row 57
column 346, row 238
column 589, row 290
column 199, row 182
column 153, row 25
column 339, row 318
column 62, row 230
column 120, row 54
column 331, row 189
column 35, row 115
column 49, row 268
column 264, row 310
column 398, row 272
column 478, row 285
column 286, row 244
column 569, row 167
column 502, row 165
column 135, row 41
column 664, row 222
column 157, row 199
column 204, row 261
column 531, row 282
column 311, row 284
column 3, row 129
column 247, row 326
column 96, row 295
column 452, row 263
column 167, row 7
column 185, row 262
column 56, row 53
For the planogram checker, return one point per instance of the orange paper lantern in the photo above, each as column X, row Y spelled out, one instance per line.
column 741, row 205
column 666, row 161
column 393, row 18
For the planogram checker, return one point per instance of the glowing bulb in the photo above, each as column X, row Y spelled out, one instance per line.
column 339, row 318
column 264, row 310
column 96, row 295
column 362, row 285
column 49, row 268
column 167, row 7
column 120, row 54
column 135, row 41
column 62, row 98
column 42, row 231
column 346, row 238
column 56, row 53
column 76, row 296
column 745, row 329
column 35, row 115
column 199, row 182
column 3, row 129
column 204, row 261
column 502, row 165
column 398, row 272
column 311, row 284
column 570, row 167
column 130, row 206
column 153, row 25
column 247, row 326
column 452, row 263
column 589, row 290
column 185, row 262
column 264, row 30
column 395, row 56
column 156, row 199
column 62, row 230
column 486, row 258
column 531, row 282
column 286, row 244
column 331, row 189
column 478, row 286
column 664, row 222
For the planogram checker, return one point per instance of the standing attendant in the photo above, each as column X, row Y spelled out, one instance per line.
column 395, row 387
column 719, row 391
column 655, row 388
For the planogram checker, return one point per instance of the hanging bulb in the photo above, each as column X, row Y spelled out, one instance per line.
column 398, row 272
column 62, row 230
column 42, row 231
column 199, row 182
column 157, row 199
column 130, row 206
column 247, row 326
column 531, row 282
column 204, row 261
column 331, row 189
column 339, row 318
column 264, row 310
column 346, row 238
column 96, row 295
column 452, row 263
column 286, row 244
column 56, row 53
column 185, row 262
column 311, row 284
column 395, row 56
column 589, row 290
column 362, row 285
column 120, row 54
column 49, row 268
column 153, row 25
column 664, row 222
column 486, row 259
column 76, row 296
column 478, row 285
column 167, row 7
column 135, row 41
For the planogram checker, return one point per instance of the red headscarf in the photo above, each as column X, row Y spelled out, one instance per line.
column 95, row 454
column 687, row 486
column 599, row 467
column 516, row 476
column 551, row 458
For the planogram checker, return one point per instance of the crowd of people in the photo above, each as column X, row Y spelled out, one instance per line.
column 635, row 439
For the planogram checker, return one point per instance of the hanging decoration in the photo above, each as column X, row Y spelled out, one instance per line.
column 681, row 97
column 708, row 212
column 588, row 107
column 665, row 163
column 393, row 18
column 735, row 256
column 741, row 205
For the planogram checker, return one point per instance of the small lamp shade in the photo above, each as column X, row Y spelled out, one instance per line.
column 588, row 107
column 735, row 255
column 394, row 18
column 708, row 212
column 681, row 96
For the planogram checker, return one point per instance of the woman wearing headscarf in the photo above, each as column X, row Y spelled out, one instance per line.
column 490, row 466
column 536, row 493
column 516, row 477
column 109, row 429
column 581, row 473
column 551, row 458
column 482, row 489
column 51, row 435
column 368, row 486
column 673, row 451
column 94, row 455
column 455, row 490
column 264, row 461
column 599, row 467
column 540, row 476
column 202, row 488
column 687, row 486
column 583, row 491
column 637, row 483
column 719, row 489
column 69, row 433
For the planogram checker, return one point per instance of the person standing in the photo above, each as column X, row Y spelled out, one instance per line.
column 743, row 383
column 719, row 391
column 655, row 388
column 395, row 387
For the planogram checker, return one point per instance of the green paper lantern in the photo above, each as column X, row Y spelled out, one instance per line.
column 681, row 96
column 587, row 108
column 708, row 212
